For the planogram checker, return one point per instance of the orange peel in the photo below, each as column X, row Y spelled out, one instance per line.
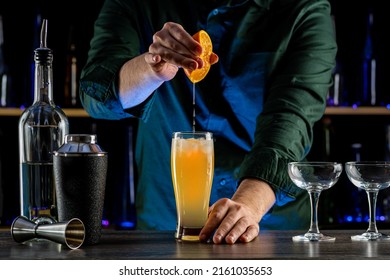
column 208, row 57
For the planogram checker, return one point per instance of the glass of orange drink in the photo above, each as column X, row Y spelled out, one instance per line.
column 192, row 165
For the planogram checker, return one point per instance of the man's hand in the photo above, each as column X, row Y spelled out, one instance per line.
column 237, row 219
column 171, row 49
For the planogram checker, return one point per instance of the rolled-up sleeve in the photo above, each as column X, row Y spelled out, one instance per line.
column 114, row 43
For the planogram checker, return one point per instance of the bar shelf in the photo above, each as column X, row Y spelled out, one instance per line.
column 358, row 111
column 70, row 112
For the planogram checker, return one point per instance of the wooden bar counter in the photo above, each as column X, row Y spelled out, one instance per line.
column 161, row 245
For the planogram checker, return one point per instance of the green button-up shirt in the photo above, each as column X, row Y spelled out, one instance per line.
column 260, row 100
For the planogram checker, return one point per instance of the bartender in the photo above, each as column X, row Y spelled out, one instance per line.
column 260, row 101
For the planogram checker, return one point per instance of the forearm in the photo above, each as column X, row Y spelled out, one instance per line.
column 137, row 81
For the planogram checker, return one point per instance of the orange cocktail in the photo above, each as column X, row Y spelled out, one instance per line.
column 192, row 164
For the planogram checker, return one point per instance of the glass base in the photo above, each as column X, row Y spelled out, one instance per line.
column 313, row 237
column 368, row 236
column 187, row 234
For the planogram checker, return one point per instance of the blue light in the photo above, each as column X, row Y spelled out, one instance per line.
column 359, row 219
column 105, row 223
column 349, row 218
column 127, row 224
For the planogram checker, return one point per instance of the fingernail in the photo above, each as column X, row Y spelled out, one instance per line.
column 230, row 239
column 198, row 50
column 156, row 58
column 192, row 66
column 217, row 238
column 200, row 62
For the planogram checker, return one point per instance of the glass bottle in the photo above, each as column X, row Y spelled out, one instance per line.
column 336, row 91
column 42, row 130
column 368, row 87
column 5, row 78
column 71, row 72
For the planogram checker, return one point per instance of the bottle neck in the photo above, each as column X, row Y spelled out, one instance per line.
column 43, row 79
column 368, row 47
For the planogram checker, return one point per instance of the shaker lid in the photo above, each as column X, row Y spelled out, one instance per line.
column 84, row 144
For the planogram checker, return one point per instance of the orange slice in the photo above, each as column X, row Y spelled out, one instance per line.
column 207, row 55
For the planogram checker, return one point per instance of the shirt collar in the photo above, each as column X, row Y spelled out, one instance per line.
column 263, row 3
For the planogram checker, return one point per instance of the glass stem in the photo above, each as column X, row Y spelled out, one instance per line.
column 314, row 197
column 372, row 196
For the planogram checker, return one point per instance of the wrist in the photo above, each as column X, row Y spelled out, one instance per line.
column 256, row 193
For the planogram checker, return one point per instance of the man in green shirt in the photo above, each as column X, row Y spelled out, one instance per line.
column 260, row 100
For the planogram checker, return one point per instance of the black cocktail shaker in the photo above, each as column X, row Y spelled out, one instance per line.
column 80, row 170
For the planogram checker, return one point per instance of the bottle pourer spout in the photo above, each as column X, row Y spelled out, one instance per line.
column 44, row 34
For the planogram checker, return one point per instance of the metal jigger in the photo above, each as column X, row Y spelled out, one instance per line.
column 70, row 233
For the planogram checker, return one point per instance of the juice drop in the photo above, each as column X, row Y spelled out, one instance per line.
column 193, row 107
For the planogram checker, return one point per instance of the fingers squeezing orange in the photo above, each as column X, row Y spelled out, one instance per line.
column 207, row 55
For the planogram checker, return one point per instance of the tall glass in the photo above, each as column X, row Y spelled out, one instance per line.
column 192, row 165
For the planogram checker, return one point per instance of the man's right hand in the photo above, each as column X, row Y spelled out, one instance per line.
column 173, row 48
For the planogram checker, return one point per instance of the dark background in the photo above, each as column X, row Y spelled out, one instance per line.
column 72, row 22
column 69, row 22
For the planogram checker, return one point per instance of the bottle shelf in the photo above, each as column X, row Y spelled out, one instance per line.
column 358, row 111
column 69, row 112
column 81, row 113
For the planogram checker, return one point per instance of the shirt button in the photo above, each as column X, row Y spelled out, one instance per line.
column 222, row 182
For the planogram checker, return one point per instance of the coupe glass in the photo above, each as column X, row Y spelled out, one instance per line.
column 372, row 177
column 314, row 177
